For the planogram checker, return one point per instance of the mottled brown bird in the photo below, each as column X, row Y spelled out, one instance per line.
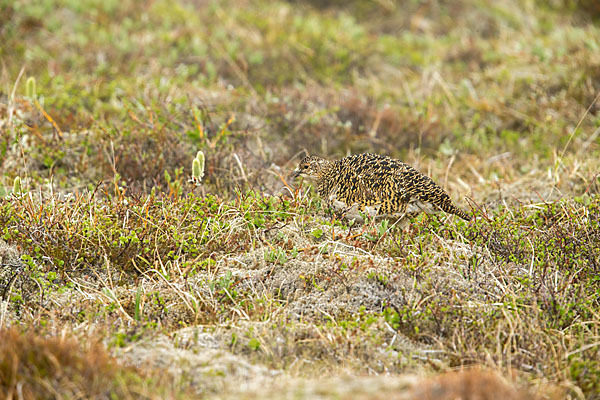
column 379, row 183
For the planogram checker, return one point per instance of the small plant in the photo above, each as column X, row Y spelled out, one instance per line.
column 380, row 231
column 317, row 233
column 383, row 227
column 138, row 304
column 198, row 167
column 174, row 184
column 277, row 256
column 254, row 344
column 17, row 188
column 30, row 88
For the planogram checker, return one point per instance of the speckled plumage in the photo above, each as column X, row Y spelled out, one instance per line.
column 375, row 180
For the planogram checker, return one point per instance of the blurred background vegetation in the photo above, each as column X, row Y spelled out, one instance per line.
column 135, row 89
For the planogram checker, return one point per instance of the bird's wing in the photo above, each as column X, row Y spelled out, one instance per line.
column 368, row 196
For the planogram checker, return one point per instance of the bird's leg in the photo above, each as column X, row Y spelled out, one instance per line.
column 328, row 207
column 403, row 210
column 402, row 220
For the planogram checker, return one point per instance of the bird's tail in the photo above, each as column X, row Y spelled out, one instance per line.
column 449, row 207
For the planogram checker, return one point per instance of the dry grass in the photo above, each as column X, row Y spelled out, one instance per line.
column 37, row 367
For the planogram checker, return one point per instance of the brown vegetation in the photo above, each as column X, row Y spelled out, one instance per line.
column 38, row 367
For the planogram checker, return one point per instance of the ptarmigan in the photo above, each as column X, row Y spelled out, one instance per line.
column 378, row 184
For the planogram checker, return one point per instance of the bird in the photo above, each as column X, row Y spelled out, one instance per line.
column 377, row 185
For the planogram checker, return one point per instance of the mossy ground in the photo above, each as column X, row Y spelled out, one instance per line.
column 244, row 285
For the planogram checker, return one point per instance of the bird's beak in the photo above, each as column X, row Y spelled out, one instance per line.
column 297, row 173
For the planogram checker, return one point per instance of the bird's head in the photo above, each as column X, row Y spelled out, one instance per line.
column 309, row 167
